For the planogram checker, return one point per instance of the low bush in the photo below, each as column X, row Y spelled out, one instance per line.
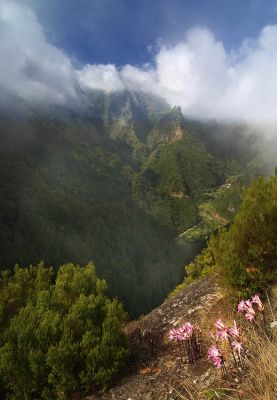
column 58, row 336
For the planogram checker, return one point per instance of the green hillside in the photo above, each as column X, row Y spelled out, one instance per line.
column 115, row 182
column 243, row 255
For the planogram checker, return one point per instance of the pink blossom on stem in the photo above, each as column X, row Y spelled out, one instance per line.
column 234, row 330
column 217, row 362
column 223, row 334
column 256, row 300
column 250, row 312
column 241, row 306
column 250, row 316
column 213, row 351
column 187, row 330
column 219, row 324
column 174, row 334
column 222, row 330
column 184, row 332
column 247, row 307
column 179, row 333
column 237, row 346
column 248, row 303
column 215, row 356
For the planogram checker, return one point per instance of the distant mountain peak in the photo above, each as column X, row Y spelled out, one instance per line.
column 169, row 128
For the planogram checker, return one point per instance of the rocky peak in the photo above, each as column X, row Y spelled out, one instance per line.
column 169, row 128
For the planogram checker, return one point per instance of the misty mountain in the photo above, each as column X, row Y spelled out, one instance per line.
column 114, row 179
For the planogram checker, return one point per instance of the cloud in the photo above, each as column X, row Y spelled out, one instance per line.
column 197, row 73
column 29, row 65
column 201, row 76
column 101, row 77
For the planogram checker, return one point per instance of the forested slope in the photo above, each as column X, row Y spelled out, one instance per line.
column 114, row 181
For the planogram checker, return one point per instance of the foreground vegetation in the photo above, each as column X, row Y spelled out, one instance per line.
column 243, row 352
column 244, row 255
column 60, row 335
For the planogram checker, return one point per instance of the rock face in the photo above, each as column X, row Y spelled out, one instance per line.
column 195, row 299
column 157, row 372
column 169, row 129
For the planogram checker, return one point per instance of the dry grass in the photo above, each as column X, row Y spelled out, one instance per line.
column 261, row 380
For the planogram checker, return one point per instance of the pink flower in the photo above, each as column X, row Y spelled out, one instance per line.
column 250, row 312
column 234, row 330
column 213, row 351
column 256, row 300
column 248, row 303
column 174, row 334
column 237, row 346
column 215, row 356
column 223, row 334
column 250, row 316
column 186, row 330
column 222, row 331
column 217, row 362
column 183, row 332
column 219, row 324
column 241, row 306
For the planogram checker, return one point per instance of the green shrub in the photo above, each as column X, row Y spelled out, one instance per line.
column 61, row 337
column 246, row 253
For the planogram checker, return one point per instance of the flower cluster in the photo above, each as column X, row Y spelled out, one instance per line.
column 183, row 332
column 227, row 353
column 230, row 335
column 246, row 306
column 215, row 355
column 188, row 338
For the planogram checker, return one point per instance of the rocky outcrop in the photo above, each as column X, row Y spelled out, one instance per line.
column 157, row 371
column 168, row 129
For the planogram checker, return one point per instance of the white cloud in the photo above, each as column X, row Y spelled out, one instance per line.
column 201, row 76
column 29, row 64
column 197, row 73
column 101, row 77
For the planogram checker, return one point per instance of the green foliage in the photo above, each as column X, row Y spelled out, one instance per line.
column 58, row 337
column 244, row 255
column 185, row 166
column 175, row 213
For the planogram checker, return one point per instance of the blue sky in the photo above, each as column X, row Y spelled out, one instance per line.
column 121, row 31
